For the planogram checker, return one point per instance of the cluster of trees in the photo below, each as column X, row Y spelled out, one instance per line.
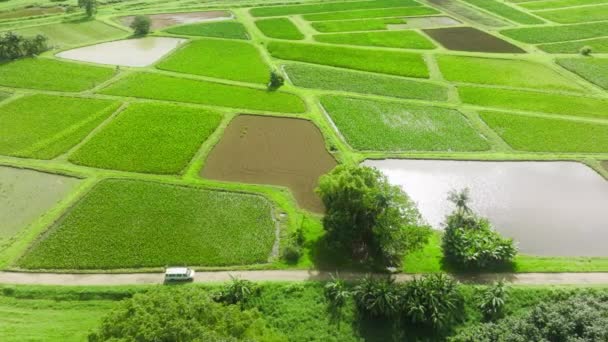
column 276, row 81
column 141, row 25
column 89, row 6
column 14, row 46
column 470, row 242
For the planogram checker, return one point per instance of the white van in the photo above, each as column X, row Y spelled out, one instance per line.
column 179, row 274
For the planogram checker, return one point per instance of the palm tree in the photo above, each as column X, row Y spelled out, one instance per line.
column 461, row 199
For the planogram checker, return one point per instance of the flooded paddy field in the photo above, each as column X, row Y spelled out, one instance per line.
column 272, row 150
column 130, row 52
column 425, row 22
column 471, row 39
column 159, row 21
column 549, row 208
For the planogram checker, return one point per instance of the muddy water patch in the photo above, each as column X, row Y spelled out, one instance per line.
column 471, row 39
column 549, row 208
column 159, row 21
column 272, row 150
column 129, row 52
column 425, row 22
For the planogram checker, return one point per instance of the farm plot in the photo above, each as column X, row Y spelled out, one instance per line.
column 161, row 87
column 535, row 102
column 554, row 4
column 576, row 15
column 231, row 60
column 373, row 13
column 390, row 126
column 4, row 95
column 328, row 7
column 311, row 76
column 355, row 25
column 25, row 195
column 127, row 223
column 45, row 126
column 222, row 29
column 279, row 28
column 393, row 62
column 536, row 134
column 471, row 39
column 506, row 11
column 140, row 140
column 272, row 150
column 504, row 72
column 559, row 33
column 162, row 20
column 31, row 12
column 48, row 74
column 471, row 13
column 76, row 33
column 598, row 45
column 594, row 70
column 406, row 39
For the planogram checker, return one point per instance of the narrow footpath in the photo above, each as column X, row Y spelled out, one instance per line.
column 26, row 278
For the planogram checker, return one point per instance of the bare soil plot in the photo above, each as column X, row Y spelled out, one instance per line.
column 130, row 52
column 425, row 22
column 471, row 39
column 159, row 21
column 272, row 150
column 25, row 195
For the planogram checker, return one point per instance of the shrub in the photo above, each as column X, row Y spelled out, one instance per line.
column 292, row 253
column 377, row 297
column 470, row 242
column 14, row 46
column 586, row 50
column 492, row 300
column 276, row 81
column 90, row 7
column 336, row 292
column 236, row 291
column 140, row 25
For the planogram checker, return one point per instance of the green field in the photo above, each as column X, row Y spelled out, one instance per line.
column 354, row 25
column 227, row 59
column 140, row 140
column 125, row 224
column 328, row 7
column 554, row 34
column 49, row 74
column 161, row 87
column 45, row 126
column 552, row 4
column 222, row 29
column 535, row 102
column 598, row 45
column 279, row 28
column 406, row 39
column 4, row 95
column 372, row 13
column 594, row 70
column 529, row 133
column 504, row 72
column 76, row 33
column 393, row 62
column 576, row 15
column 311, row 76
column 505, row 11
column 392, row 126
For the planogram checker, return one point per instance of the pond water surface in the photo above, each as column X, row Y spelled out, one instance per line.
column 130, row 52
column 549, row 208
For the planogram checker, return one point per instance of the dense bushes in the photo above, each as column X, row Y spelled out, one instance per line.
column 470, row 242
column 141, row 25
column 580, row 318
column 14, row 46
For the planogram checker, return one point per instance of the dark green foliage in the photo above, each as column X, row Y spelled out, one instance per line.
column 580, row 318
column 141, row 25
column 373, row 220
column 237, row 291
column 586, row 50
column 492, row 300
column 276, row 81
column 180, row 314
column 292, row 253
column 90, row 7
column 336, row 292
column 377, row 297
column 14, row 46
column 470, row 242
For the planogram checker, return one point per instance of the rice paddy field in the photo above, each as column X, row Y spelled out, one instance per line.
column 120, row 151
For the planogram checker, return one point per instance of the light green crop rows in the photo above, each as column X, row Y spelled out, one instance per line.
column 355, row 25
column 279, row 28
column 406, row 39
column 222, row 29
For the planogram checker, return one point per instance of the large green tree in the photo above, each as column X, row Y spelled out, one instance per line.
column 376, row 221
column 90, row 7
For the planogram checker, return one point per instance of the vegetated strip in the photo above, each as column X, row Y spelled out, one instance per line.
column 536, row 134
column 221, row 29
column 50, row 74
column 373, row 13
column 279, row 28
column 576, row 14
column 553, row 4
column 392, row 62
column 128, row 224
column 75, row 33
column 392, row 126
column 598, row 45
column 506, row 11
column 469, row 12
column 311, row 76
column 355, row 25
column 169, row 88
column 591, row 107
column 406, row 39
column 558, row 33
column 139, row 139
column 595, row 70
column 328, row 7
column 227, row 59
column 45, row 126
column 504, row 72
